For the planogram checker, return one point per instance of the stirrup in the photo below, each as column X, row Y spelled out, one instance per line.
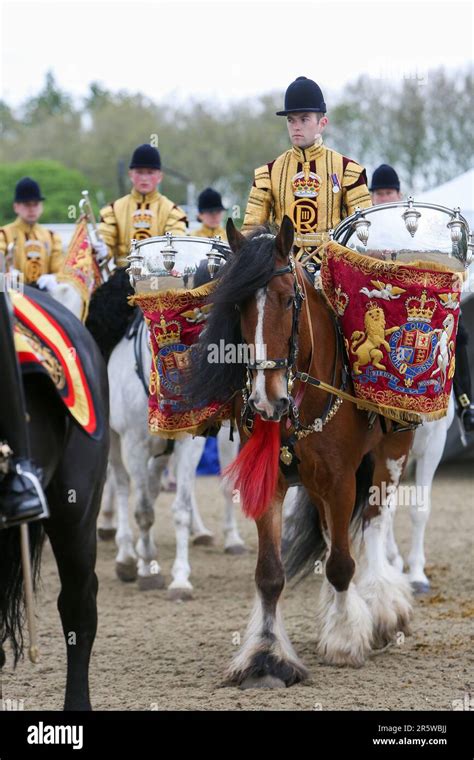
column 23, row 496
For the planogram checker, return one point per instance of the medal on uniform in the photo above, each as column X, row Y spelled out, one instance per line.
column 336, row 187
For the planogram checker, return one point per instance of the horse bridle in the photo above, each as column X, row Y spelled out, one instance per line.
column 292, row 373
column 298, row 299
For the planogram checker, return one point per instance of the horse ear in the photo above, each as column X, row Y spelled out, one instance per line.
column 285, row 237
column 235, row 238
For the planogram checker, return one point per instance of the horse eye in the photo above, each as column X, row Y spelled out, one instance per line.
column 289, row 302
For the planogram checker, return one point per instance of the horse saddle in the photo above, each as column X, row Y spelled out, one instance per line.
column 50, row 340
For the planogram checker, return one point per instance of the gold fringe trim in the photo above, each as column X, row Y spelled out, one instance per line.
column 370, row 265
column 216, row 419
column 392, row 412
column 169, row 299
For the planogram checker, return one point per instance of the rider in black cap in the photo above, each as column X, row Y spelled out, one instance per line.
column 21, row 494
column 385, row 185
column 312, row 184
column 144, row 212
column 211, row 212
column 385, row 188
column 34, row 250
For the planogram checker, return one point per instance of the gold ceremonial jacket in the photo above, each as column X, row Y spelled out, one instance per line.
column 36, row 251
column 316, row 187
column 209, row 232
column 137, row 216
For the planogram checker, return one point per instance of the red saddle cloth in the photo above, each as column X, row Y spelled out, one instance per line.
column 45, row 344
column 399, row 323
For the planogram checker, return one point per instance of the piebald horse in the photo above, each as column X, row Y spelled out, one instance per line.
column 264, row 301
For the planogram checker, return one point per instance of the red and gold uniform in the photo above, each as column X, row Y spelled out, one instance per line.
column 36, row 250
column 316, row 187
column 137, row 216
column 209, row 232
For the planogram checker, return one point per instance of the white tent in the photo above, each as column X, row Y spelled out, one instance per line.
column 457, row 192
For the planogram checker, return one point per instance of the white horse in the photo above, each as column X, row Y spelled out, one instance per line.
column 63, row 292
column 138, row 459
column 425, row 455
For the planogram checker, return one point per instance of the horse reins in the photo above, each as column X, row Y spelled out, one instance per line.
column 292, row 373
column 336, row 395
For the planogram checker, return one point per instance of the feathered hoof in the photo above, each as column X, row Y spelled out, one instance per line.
column 151, row 582
column 235, row 549
column 203, row 539
column 106, row 534
column 126, row 572
column 179, row 594
column 343, row 657
column 419, row 588
column 386, row 635
column 265, row 671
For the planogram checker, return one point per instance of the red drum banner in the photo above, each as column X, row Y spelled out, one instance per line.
column 175, row 319
column 399, row 323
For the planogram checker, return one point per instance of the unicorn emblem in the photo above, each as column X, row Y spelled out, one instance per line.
column 445, row 347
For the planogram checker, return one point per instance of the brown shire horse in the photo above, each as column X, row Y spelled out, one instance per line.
column 265, row 301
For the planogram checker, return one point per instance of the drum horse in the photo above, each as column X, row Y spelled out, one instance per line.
column 74, row 466
column 265, row 300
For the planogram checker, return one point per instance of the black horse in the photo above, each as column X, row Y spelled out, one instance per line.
column 74, row 464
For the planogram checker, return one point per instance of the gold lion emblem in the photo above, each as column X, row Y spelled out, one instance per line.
column 366, row 345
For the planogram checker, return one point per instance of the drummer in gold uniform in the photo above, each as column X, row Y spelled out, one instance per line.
column 144, row 212
column 34, row 249
column 211, row 212
column 314, row 185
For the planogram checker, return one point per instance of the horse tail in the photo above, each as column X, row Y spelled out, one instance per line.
column 304, row 542
column 11, row 584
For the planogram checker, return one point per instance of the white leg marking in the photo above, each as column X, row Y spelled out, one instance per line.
column 255, row 641
column 344, row 626
column 384, row 587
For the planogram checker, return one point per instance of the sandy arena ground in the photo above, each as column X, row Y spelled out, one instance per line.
column 151, row 653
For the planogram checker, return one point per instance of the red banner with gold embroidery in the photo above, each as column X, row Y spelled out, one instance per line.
column 80, row 268
column 399, row 323
column 175, row 319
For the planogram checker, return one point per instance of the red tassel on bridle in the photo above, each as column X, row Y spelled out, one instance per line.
column 254, row 472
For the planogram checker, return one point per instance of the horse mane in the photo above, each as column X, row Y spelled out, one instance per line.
column 109, row 311
column 243, row 274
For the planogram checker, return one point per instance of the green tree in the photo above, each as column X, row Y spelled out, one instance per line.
column 61, row 187
column 50, row 101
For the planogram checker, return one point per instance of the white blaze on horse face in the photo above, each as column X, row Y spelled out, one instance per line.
column 259, row 392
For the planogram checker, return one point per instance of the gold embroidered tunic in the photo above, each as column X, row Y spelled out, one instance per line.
column 316, row 187
column 209, row 232
column 137, row 216
column 36, row 250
